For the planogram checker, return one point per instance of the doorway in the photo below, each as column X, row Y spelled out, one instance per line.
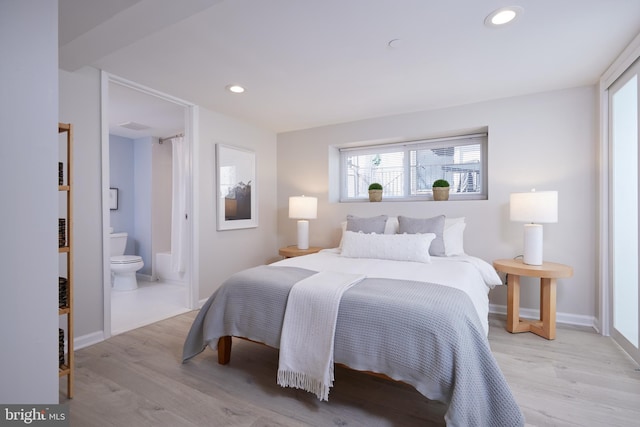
column 624, row 176
column 139, row 128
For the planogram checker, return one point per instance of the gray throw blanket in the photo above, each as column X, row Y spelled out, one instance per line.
column 423, row 334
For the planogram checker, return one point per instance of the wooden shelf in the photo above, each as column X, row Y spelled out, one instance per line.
column 66, row 370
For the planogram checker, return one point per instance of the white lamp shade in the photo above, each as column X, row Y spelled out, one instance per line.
column 534, row 207
column 301, row 207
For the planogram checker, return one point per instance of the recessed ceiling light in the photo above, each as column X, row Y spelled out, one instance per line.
column 503, row 16
column 235, row 88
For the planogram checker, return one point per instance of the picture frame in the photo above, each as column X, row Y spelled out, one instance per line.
column 237, row 205
column 113, row 199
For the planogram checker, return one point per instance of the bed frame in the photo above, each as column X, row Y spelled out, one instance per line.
column 224, row 357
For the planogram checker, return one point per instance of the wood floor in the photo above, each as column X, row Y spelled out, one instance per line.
column 137, row 379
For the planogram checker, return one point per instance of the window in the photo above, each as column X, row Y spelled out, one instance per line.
column 407, row 170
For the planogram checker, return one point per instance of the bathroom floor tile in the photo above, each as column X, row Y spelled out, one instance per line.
column 150, row 303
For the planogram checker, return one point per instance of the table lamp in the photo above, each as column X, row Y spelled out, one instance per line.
column 534, row 207
column 303, row 208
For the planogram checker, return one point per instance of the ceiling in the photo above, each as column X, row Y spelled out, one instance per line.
column 129, row 108
column 308, row 63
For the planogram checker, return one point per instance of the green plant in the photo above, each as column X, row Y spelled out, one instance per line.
column 440, row 183
column 375, row 186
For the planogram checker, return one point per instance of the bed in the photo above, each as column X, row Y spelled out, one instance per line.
column 420, row 322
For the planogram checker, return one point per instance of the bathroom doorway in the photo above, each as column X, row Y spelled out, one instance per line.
column 141, row 130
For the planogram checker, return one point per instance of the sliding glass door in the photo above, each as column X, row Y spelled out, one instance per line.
column 624, row 108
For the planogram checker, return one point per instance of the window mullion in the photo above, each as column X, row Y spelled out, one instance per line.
column 407, row 172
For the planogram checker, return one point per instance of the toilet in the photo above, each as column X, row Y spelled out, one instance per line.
column 123, row 267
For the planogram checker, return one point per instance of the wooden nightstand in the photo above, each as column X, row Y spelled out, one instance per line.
column 548, row 272
column 293, row 251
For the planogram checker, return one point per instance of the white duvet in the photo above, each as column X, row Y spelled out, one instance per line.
column 470, row 274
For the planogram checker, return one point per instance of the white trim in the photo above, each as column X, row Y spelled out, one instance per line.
column 146, row 277
column 106, row 265
column 88, row 340
column 193, row 125
column 419, row 143
column 564, row 318
column 147, row 90
column 628, row 56
column 603, row 207
column 191, row 137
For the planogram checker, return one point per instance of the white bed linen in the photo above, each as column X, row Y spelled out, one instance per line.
column 470, row 274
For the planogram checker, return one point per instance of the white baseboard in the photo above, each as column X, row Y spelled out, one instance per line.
column 146, row 277
column 87, row 340
column 566, row 318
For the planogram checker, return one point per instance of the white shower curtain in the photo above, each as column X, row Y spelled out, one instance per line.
column 178, row 206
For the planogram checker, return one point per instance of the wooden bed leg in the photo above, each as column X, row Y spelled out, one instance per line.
column 224, row 350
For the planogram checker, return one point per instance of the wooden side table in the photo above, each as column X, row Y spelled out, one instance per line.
column 293, row 251
column 548, row 272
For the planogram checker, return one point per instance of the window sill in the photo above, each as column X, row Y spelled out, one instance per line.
column 452, row 198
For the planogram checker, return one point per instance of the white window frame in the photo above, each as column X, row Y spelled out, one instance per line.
column 407, row 146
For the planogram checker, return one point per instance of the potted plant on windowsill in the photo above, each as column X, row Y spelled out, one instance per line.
column 440, row 189
column 375, row 192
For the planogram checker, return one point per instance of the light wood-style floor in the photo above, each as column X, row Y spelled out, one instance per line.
column 137, row 379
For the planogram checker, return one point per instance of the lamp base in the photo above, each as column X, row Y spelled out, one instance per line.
column 532, row 244
column 303, row 234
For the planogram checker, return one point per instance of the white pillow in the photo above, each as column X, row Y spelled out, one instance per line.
column 450, row 221
column 453, row 236
column 391, row 227
column 343, row 226
column 398, row 247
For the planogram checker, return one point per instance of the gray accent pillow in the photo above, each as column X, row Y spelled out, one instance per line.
column 375, row 224
column 433, row 225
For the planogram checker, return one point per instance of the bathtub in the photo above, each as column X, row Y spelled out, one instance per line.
column 163, row 269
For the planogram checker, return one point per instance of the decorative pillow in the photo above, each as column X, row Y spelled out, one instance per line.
column 448, row 222
column 453, row 237
column 398, row 247
column 433, row 225
column 391, row 226
column 374, row 224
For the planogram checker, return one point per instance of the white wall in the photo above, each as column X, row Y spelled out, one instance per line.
column 547, row 141
column 223, row 253
column 121, row 167
column 141, row 171
column 142, row 201
column 80, row 105
column 29, row 176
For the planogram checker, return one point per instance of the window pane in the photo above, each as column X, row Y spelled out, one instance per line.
column 407, row 170
column 625, row 210
column 386, row 168
column 460, row 165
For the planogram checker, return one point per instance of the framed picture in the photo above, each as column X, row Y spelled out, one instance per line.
column 236, row 192
column 113, row 199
